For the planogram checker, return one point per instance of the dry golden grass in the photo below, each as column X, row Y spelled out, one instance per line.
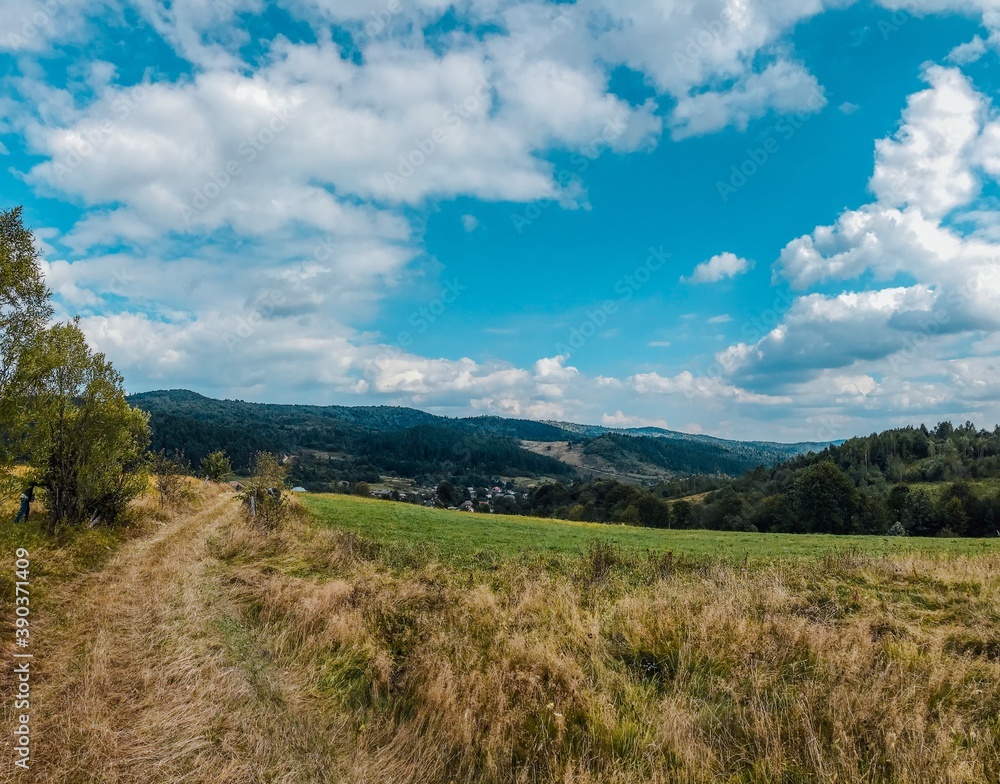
column 209, row 652
column 136, row 677
column 844, row 669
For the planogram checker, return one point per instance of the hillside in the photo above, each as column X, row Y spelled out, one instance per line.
column 366, row 645
column 944, row 480
column 369, row 443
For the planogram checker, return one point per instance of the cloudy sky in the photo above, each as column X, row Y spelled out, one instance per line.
column 773, row 219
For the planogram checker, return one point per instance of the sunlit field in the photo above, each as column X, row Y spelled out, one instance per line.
column 463, row 535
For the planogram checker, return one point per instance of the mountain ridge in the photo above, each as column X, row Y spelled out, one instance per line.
column 583, row 429
column 336, row 443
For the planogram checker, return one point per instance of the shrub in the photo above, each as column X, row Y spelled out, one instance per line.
column 266, row 505
column 216, row 466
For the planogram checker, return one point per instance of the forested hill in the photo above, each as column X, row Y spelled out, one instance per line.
column 920, row 481
column 366, row 443
column 917, row 454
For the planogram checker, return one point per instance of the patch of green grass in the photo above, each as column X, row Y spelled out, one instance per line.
column 981, row 487
column 465, row 536
column 73, row 551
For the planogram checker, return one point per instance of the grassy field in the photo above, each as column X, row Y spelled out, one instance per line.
column 376, row 643
column 463, row 536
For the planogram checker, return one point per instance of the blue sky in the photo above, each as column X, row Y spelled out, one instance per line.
column 759, row 219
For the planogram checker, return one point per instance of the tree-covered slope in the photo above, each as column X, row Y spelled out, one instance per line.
column 339, row 443
column 364, row 443
column 915, row 480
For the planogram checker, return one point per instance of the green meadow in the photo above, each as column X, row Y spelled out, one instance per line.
column 462, row 535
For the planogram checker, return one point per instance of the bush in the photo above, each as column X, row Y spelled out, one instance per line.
column 363, row 489
column 601, row 558
column 216, row 467
column 169, row 469
column 266, row 505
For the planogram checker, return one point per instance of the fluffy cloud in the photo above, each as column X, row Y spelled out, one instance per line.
column 707, row 389
column 784, row 87
column 30, row 26
column 683, row 46
column 828, row 332
column 254, row 154
column 933, row 165
column 622, row 420
column 719, row 267
column 865, row 353
column 928, row 163
column 967, row 53
column 233, row 250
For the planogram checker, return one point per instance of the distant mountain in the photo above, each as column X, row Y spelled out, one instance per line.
column 774, row 450
column 369, row 443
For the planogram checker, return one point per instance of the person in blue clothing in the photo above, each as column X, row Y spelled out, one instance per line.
column 26, row 498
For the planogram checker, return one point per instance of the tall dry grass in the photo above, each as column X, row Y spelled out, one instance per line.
column 141, row 673
column 208, row 651
column 619, row 669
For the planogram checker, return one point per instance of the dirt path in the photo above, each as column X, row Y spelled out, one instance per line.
column 151, row 675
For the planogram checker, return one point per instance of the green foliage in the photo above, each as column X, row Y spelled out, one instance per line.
column 215, row 466
column 62, row 407
column 824, row 500
column 947, row 478
column 954, row 516
column 264, row 498
column 334, row 444
column 653, row 512
column 86, row 445
column 844, row 488
column 24, row 311
column 685, row 456
column 338, row 443
column 680, row 512
column 448, row 494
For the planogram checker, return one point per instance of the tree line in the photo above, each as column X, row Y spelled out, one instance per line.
column 905, row 481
